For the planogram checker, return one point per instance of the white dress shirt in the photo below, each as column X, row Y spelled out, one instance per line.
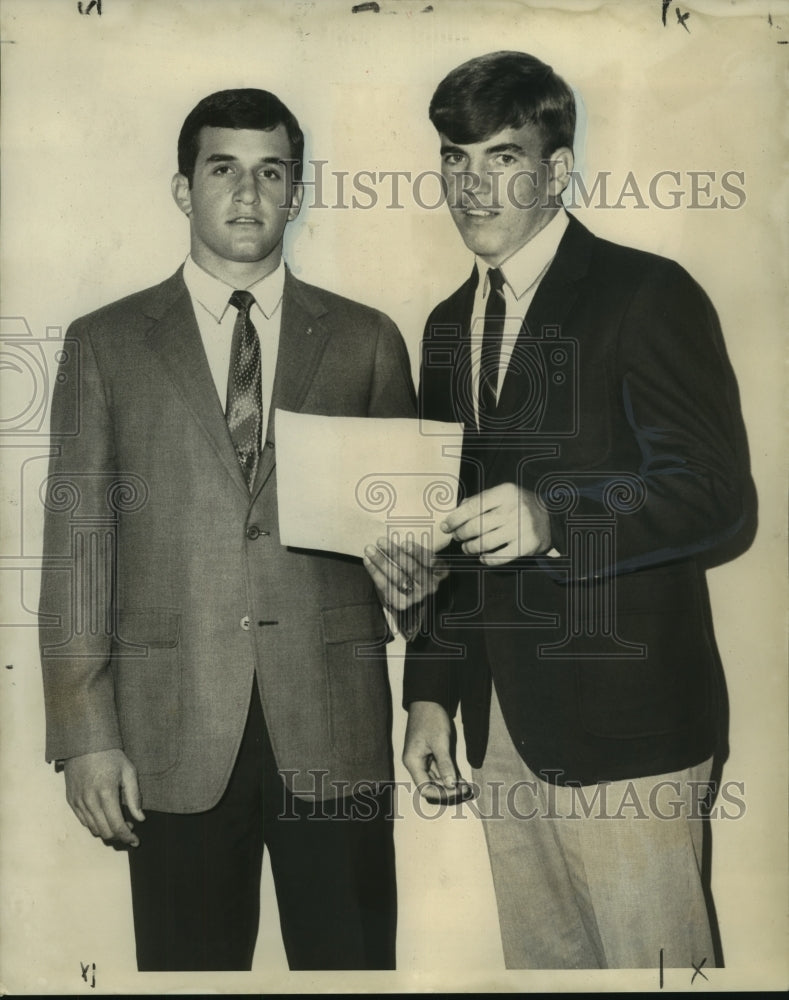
column 216, row 319
column 522, row 272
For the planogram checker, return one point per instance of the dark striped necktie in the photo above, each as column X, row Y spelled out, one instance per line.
column 244, row 408
column 490, row 356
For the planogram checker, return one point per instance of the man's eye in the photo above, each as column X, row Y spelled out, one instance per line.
column 453, row 159
column 505, row 159
column 270, row 174
column 222, row 169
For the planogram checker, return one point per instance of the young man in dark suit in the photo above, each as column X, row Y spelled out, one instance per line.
column 194, row 668
column 604, row 466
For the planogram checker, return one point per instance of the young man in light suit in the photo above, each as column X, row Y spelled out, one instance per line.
column 604, row 466
column 212, row 683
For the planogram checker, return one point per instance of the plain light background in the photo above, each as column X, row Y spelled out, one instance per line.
column 91, row 109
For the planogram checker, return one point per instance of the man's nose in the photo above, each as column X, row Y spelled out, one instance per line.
column 482, row 178
column 246, row 188
column 477, row 187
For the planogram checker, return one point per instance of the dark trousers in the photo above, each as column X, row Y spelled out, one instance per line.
column 195, row 878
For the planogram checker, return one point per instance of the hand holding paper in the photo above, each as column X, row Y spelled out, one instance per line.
column 503, row 523
column 404, row 574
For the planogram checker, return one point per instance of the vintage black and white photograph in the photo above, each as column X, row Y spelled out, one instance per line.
column 394, row 514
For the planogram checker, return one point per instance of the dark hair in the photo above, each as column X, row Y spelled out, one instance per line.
column 248, row 108
column 504, row 90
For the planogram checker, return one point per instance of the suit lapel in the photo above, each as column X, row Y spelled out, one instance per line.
column 175, row 338
column 474, row 446
column 545, row 318
column 302, row 340
column 555, row 296
column 460, row 391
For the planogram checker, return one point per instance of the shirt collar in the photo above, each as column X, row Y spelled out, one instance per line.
column 525, row 266
column 213, row 294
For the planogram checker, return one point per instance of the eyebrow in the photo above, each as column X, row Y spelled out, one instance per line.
column 502, row 147
column 506, row 147
column 229, row 158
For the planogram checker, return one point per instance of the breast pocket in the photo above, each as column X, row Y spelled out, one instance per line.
column 147, row 672
column 355, row 637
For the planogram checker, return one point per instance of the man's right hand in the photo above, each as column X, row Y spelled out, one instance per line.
column 96, row 783
column 426, row 753
column 404, row 574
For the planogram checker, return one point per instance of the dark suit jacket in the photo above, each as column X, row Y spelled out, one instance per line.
column 162, row 597
column 621, row 411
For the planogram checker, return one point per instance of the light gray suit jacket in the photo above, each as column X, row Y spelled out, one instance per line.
column 165, row 586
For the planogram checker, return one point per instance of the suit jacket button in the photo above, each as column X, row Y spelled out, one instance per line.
column 253, row 531
column 244, row 623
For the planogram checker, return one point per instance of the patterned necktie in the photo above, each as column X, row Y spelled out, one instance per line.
column 495, row 310
column 244, row 408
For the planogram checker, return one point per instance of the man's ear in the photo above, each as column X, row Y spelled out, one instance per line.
column 182, row 193
column 560, row 166
column 295, row 200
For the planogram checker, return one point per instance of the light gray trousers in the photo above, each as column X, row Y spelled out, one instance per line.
column 596, row 876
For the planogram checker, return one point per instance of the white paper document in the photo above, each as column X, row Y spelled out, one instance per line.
column 343, row 482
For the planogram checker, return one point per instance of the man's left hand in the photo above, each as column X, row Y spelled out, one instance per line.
column 500, row 524
column 404, row 574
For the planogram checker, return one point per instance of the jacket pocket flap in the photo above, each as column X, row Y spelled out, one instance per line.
column 354, row 621
column 157, row 628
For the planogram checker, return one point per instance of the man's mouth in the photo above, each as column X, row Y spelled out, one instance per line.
column 478, row 213
column 245, row 220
